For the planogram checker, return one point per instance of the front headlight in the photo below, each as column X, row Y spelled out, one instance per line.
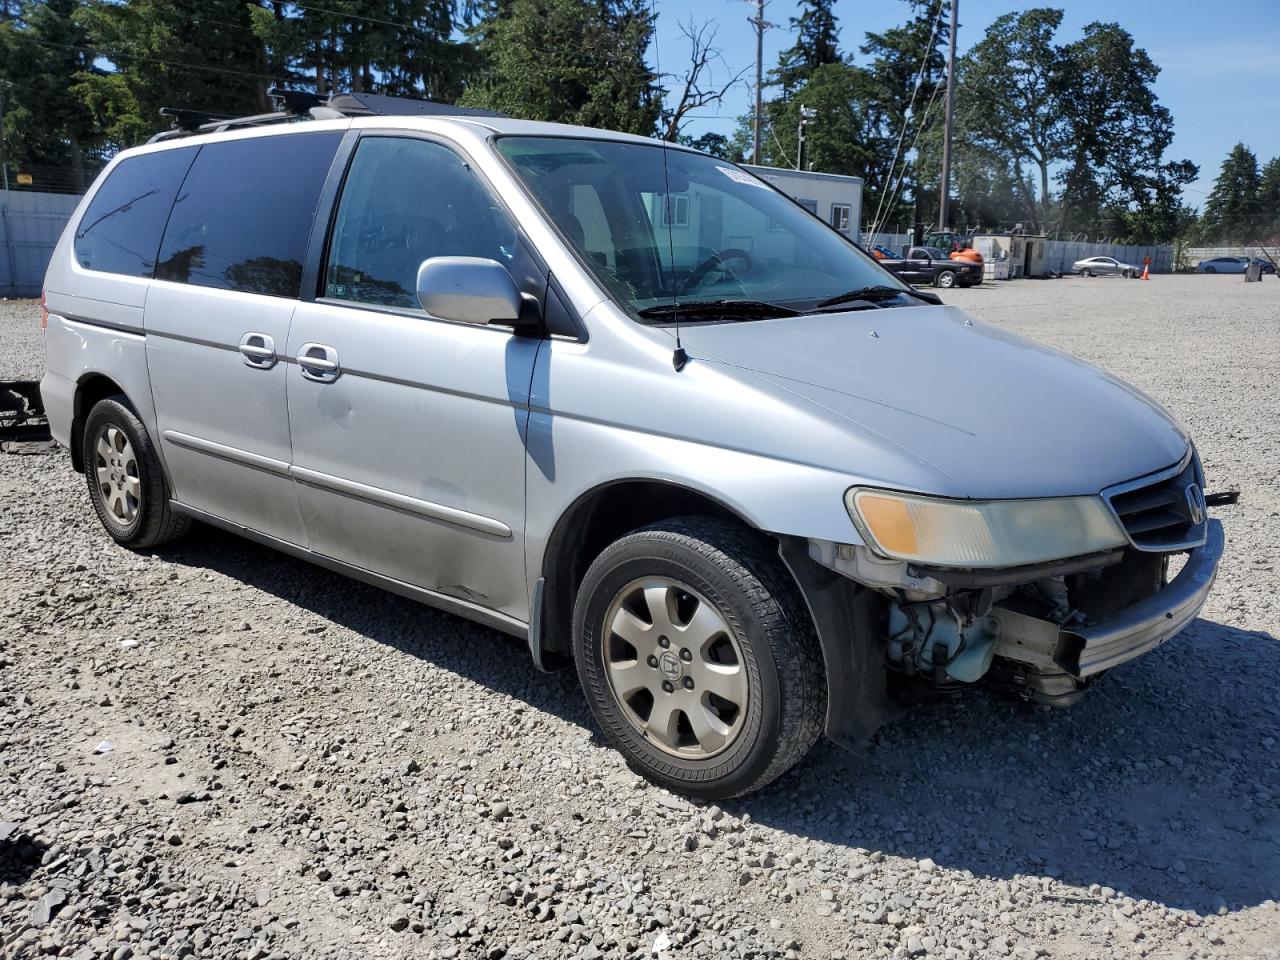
column 982, row 533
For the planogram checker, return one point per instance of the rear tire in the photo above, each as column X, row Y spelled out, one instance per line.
column 127, row 485
column 724, row 683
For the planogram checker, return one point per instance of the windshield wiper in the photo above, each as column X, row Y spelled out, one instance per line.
column 873, row 294
column 713, row 309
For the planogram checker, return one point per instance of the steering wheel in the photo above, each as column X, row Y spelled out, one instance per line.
column 718, row 259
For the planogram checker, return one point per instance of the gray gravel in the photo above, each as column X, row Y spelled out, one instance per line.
column 215, row 751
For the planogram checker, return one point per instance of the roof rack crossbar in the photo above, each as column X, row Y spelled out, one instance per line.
column 302, row 104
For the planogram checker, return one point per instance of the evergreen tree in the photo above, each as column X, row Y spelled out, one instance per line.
column 817, row 43
column 1269, row 202
column 49, row 130
column 571, row 61
column 190, row 54
column 1231, row 212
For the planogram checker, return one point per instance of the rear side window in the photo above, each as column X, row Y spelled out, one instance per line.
column 244, row 212
column 120, row 232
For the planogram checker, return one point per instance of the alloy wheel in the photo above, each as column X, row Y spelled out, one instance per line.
column 675, row 668
column 116, row 468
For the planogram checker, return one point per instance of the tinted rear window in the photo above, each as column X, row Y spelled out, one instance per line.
column 120, row 232
column 244, row 212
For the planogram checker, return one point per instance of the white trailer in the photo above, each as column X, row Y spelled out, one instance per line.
column 831, row 197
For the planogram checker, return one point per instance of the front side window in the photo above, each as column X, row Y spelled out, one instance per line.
column 406, row 200
column 692, row 228
column 243, row 216
column 120, row 232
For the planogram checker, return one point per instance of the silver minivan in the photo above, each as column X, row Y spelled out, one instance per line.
column 624, row 401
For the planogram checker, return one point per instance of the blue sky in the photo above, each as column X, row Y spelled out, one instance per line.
column 1220, row 62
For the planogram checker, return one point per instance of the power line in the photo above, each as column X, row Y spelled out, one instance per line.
column 226, row 71
column 906, row 114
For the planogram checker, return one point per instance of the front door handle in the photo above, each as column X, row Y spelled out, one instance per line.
column 319, row 362
column 258, row 350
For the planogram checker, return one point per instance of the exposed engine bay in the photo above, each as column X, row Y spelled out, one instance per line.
column 951, row 628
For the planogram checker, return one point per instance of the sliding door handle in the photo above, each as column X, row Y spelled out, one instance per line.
column 319, row 362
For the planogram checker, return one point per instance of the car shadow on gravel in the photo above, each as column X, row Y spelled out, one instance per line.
column 489, row 657
column 1159, row 784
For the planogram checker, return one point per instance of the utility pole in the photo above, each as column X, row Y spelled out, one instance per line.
column 761, row 25
column 945, row 196
column 806, row 114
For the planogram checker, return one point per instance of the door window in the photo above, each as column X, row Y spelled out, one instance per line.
column 244, row 213
column 406, row 200
column 120, row 232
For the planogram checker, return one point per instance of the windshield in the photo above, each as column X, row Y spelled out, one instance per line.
column 719, row 234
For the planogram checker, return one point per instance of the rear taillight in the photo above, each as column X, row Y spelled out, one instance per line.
column 44, row 311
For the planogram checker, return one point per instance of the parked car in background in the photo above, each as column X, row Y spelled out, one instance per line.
column 1234, row 265
column 932, row 265
column 1105, row 267
column 1223, row 265
column 733, row 469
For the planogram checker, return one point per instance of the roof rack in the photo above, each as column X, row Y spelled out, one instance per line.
column 295, row 105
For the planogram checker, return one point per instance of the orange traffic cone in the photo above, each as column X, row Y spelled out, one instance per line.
column 1146, row 272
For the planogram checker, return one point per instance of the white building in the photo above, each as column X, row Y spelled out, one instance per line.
column 830, row 197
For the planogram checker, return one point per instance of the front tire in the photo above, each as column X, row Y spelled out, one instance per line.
column 946, row 279
column 127, row 485
column 1086, row 272
column 698, row 657
column 1210, row 269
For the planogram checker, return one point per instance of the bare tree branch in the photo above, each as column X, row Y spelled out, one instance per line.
column 698, row 88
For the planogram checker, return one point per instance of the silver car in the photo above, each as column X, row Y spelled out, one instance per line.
column 742, row 477
column 1224, row 265
column 1105, row 267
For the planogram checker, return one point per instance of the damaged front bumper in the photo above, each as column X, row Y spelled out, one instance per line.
column 1051, row 663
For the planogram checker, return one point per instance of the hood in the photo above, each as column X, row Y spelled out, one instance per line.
column 1000, row 415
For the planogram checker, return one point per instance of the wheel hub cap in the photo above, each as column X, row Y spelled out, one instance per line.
column 675, row 668
column 116, row 471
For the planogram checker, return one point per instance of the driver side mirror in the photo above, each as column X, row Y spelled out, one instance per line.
column 471, row 290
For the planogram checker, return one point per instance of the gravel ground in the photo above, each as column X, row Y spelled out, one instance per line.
column 216, row 751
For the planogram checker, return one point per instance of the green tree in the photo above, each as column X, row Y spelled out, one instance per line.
column 399, row 47
column 716, row 144
column 904, row 105
column 44, row 51
column 845, row 137
column 1116, row 172
column 817, row 43
column 1011, row 97
column 572, row 61
column 191, row 54
column 1231, row 212
column 1269, row 201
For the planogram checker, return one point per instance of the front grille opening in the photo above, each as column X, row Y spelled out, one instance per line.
column 1160, row 516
